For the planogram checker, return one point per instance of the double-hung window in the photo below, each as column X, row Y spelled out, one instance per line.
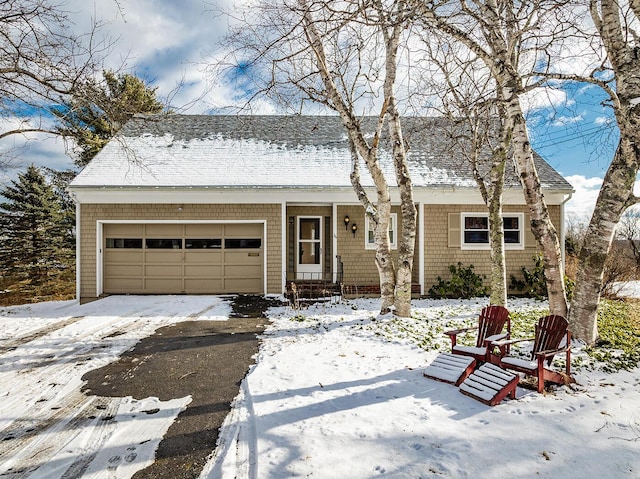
column 369, row 239
column 474, row 230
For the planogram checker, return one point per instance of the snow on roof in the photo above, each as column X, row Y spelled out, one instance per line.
column 269, row 152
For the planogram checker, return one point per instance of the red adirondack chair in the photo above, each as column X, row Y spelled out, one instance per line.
column 552, row 337
column 490, row 325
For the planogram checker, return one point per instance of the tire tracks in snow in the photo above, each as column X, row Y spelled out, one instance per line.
column 40, row 376
column 11, row 344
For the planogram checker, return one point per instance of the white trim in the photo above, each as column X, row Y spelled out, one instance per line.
column 393, row 221
column 78, row 237
column 99, row 241
column 485, row 246
column 283, row 245
column 300, row 268
column 334, row 242
column 421, row 244
column 291, row 196
column 99, row 259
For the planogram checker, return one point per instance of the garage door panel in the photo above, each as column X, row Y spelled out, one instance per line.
column 203, row 230
column 163, row 285
column 123, row 285
column 241, row 230
column 203, row 285
column 242, row 285
column 242, row 271
column 242, row 257
column 211, row 257
column 125, row 270
column 161, row 230
column 203, row 271
column 122, row 230
column 173, row 270
column 164, row 256
column 120, row 256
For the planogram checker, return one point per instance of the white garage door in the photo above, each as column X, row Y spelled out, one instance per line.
column 183, row 258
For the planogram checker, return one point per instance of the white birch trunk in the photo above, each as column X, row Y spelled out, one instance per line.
column 407, row 241
column 616, row 194
column 541, row 225
column 380, row 214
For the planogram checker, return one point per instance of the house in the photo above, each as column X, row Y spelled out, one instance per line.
column 246, row 204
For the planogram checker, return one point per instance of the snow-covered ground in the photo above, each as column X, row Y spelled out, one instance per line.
column 336, row 392
column 48, row 427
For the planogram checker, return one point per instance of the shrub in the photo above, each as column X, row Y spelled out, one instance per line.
column 534, row 282
column 464, row 283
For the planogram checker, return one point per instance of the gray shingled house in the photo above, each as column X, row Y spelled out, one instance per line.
column 247, row 204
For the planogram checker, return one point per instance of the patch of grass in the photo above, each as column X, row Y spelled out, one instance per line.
column 618, row 346
column 618, row 323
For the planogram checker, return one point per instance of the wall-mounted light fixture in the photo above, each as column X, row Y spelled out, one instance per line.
column 354, row 228
column 346, row 222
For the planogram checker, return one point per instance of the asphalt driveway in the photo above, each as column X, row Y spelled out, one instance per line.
column 204, row 359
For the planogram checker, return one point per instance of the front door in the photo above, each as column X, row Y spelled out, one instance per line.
column 309, row 247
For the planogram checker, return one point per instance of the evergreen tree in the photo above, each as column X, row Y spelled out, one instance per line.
column 34, row 243
column 97, row 110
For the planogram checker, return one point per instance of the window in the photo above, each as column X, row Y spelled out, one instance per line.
column 244, row 243
column 131, row 243
column 197, row 243
column 161, row 243
column 475, row 230
column 393, row 232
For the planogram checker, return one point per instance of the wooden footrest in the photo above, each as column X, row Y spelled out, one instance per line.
column 450, row 368
column 490, row 384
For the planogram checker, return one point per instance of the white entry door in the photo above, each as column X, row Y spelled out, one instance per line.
column 309, row 247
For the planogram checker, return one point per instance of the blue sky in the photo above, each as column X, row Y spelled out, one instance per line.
column 165, row 42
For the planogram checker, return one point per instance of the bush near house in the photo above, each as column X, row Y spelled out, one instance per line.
column 464, row 283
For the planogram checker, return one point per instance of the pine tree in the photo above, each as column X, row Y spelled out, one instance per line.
column 97, row 110
column 34, row 243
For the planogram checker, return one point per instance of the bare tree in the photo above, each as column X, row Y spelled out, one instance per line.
column 469, row 100
column 40, row 62
column 619, row 76
column 508, row 35
column 343, row 56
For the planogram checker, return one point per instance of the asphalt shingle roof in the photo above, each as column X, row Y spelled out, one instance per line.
column 273, row 151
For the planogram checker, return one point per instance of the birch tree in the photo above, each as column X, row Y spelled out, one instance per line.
column 344, row 56
column 40, row 62
column 507, row 35
column 617, row 24
column 469, row 101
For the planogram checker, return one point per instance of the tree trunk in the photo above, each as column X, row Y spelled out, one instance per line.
column 615, row 196
column 498, row 295
column 407, row 241
column 541, row 225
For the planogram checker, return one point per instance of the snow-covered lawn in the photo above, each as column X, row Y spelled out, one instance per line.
column 337, row 392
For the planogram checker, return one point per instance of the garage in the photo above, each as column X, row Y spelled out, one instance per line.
column 198, row 258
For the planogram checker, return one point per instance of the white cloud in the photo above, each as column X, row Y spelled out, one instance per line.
column 603, row 120
column 567, row 120
column 543, row 98
column 580, row 207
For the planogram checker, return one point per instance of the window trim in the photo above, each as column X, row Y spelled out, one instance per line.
column 393, row 226
column 485, row 246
